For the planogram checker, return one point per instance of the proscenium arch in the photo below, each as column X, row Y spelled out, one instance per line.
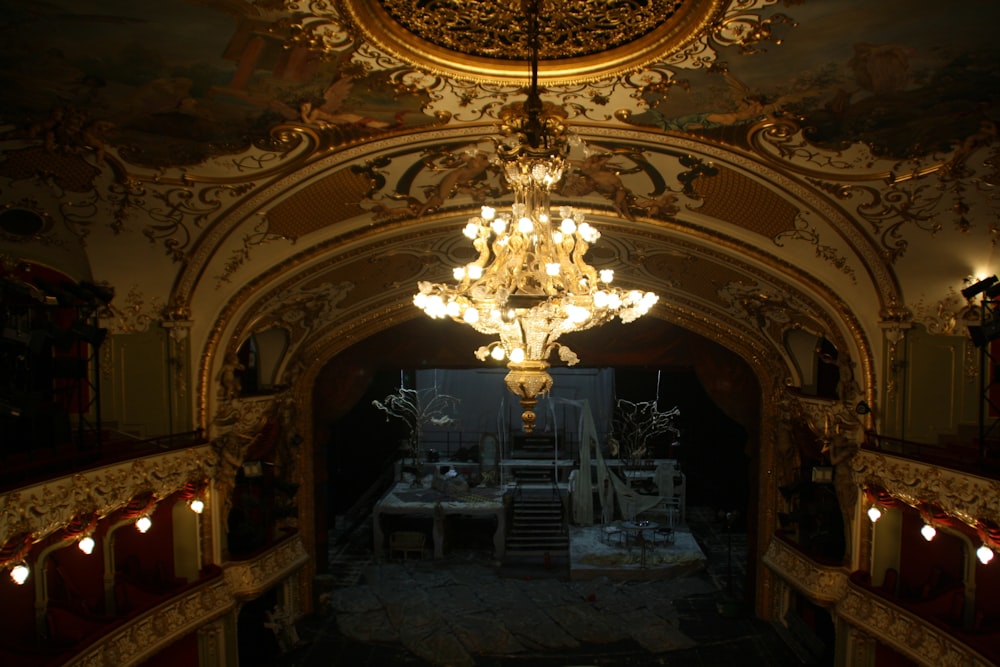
column 427, row 242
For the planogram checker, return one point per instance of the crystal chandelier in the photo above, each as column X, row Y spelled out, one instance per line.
column 530, row 282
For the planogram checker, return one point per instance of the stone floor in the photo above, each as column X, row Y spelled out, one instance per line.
column 466, row 611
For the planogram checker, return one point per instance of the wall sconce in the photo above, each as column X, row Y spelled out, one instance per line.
column 143, row 523
column 86, row 544
column 874, row 513
column 983, row 553
column 19, row 573
column 928, row 531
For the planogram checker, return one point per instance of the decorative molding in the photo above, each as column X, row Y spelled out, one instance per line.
column 138, row 640
column 248, row 579
column 867, row 612
column 42, row 509
column 151, row 632
column 967, row 497
column 905, row 632
column 825, row 584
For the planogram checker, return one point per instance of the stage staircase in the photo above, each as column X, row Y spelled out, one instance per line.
column 538, row 525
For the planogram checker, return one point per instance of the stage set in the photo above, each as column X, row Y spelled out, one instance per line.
column 620, row 521
column 553, row 495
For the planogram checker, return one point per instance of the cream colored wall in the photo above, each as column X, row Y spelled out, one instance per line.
column 144, row 390
column 931, row 392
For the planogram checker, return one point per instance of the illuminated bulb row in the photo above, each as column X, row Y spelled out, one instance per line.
column 983, row 553
column 19, row 573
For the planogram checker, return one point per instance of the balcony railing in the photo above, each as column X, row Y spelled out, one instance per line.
column 919, row 632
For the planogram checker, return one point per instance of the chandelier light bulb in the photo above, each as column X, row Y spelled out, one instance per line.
column 517, row 355
column 499, row 226
column 985, row 554
column 928, row 531
column 197, row 505
column 452, row 309
column 497, row 353
column 471, row 315
column 552, row 269
column 607, row 275
column 19, row 573
column 475, row 271
column 471, row 230
column 874, row 513
column 488, row 213
column 568, row 226
column 143, row 524
column 525, row 225
column 459, row 273
column 86, row 544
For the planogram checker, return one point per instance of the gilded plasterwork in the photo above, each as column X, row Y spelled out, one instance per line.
column 913, row 636
column 968, row 498
column 44, row 508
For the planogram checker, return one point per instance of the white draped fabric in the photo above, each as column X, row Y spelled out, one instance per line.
column 610, row 487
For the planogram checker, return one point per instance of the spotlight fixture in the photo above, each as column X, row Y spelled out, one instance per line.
column 874, row 513
column 928, row 531
column 86, row 544
column 143, row 523
column 983, row 553
column 978, row 288
column 19, row 573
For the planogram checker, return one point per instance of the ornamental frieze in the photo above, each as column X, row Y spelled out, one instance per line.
column 965, row 496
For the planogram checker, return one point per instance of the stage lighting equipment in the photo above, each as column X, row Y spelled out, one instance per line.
column 977, row 288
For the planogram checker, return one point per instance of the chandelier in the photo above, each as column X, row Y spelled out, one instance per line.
column 530, row 282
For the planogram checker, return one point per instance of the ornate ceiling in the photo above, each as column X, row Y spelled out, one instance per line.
column 825, row 165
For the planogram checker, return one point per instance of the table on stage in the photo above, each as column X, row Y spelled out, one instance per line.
column 637, row 530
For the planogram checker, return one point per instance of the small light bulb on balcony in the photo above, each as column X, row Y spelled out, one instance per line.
column 874, row 513
column 19, row 573
column 86, row 544
column 497, row 353
column 517, row 355
column 197, row 505
column 928, row 531
column 143, row 524
column 985, row 554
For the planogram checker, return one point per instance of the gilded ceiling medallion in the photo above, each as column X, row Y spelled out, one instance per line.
column 487, row 41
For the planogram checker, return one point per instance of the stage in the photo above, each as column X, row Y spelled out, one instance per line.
column 592, row 556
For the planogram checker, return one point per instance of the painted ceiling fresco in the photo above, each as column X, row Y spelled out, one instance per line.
column 173, row 83
column 840, row 142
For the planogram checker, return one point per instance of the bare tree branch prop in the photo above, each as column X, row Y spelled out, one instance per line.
column 635, row 423
column 418, row 409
